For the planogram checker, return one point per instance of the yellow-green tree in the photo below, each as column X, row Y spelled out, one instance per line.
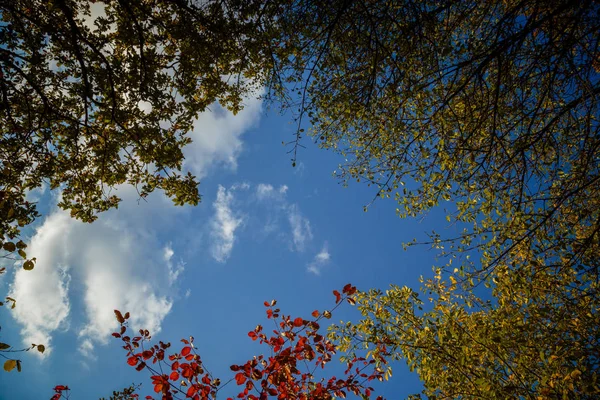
column 490, row 104
column 491, row 108
column 536, row 337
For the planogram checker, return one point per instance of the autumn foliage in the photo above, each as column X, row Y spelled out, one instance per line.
column 296, row 351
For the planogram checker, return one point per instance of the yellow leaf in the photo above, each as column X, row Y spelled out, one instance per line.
column 9, row 365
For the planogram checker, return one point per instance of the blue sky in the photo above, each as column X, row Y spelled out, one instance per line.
column 263, row 230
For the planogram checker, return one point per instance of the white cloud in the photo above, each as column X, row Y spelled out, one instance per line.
column 321, row 259
column 116, row 263
column 224, row 225
column 301, row 231
column 42, row 294
column 216, row 137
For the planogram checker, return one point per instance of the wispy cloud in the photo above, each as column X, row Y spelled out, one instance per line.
column 300, row 226
column 266, row 191
column 174, row 269
column 224, row 225
column 321, row 260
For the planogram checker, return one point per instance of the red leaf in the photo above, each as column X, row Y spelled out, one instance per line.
column 141, row 366
column 338, row 297
column 315, row 314
column 147, row 354
column 132, row 361
column 298, row 322
column 240, row 378
column 174, row 376
column 234, row 368
column 119, row 316
column 266, row 303
column 192, row 391
column 59, row 388
column 117, row 335
column 185, row 351
column 349, row 290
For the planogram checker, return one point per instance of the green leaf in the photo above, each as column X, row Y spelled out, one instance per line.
column 28, row 265
column 41, row 348
column 4, row 346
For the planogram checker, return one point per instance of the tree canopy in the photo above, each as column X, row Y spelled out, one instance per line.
column 94, row 95
column 537, row 338
column 490, row 104
column 89, row 102
column 492, row 107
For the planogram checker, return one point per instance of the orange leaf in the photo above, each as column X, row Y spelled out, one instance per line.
column 315, row 314
column 174, row 376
